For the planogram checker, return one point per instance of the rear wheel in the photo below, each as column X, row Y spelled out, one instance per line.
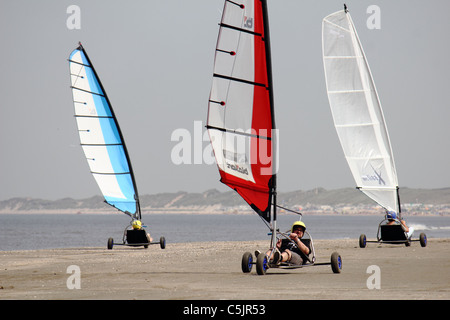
column 247, row 262
column 261, row 264
column 423, row 239
column 336, row 262
column 362, row 241
column 110, row 243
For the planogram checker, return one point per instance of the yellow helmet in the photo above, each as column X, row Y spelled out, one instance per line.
column 136, row 224
column 298, row 223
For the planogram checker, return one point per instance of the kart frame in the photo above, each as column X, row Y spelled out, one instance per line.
column 264, row 263
column 392, row 234
column 137, row 240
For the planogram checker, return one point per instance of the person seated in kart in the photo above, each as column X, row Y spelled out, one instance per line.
column 137, row 225
column 391, row 216
column 291, row 250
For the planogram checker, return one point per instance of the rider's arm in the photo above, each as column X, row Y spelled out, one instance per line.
column 301, row 245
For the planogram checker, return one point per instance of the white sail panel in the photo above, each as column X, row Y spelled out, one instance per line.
column 357, row 112
column 234, row 59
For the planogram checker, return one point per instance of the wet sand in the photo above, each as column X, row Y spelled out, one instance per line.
column 211, row 271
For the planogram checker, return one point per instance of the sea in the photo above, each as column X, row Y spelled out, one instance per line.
column 51, row 231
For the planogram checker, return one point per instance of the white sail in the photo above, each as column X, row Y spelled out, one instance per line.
column 357, row 112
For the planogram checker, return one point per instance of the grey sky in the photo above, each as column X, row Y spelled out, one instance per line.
column 155, row 60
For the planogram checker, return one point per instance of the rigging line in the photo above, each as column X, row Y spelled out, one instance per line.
column 232, row 53
column 336, row 25
column 267, row 224
column 91, row 92
column 239, row 132
column 240, row 80
column 222, row 103
column 293, row 211
column 81, row 64
column 78, row 75
column 100, row 144
column 109, row 173
column 240, row 29
column 238, row 4
column 89, row 116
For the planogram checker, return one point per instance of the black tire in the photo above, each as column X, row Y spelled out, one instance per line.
column 362, row 241
column 247, row 262
column 162, row 242
column 408, row 243
column 336, row 262
column 262, row 264
column 110, row 243
column 423, row 239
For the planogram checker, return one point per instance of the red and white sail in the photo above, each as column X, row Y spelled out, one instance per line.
column 240, row 114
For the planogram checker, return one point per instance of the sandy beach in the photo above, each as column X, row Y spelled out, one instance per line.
column 211, row 271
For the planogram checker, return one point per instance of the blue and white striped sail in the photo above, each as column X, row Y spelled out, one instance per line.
column 100, row 136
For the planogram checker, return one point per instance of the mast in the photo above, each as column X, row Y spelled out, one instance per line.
column 137, row 214
column 273, row 190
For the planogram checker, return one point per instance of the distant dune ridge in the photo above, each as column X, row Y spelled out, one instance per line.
column 318, row 200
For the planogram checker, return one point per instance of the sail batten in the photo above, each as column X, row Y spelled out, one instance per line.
column 101, row 138
column 357, row 113
column 240, row 112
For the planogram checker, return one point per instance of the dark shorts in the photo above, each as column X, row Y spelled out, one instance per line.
column 296, row 258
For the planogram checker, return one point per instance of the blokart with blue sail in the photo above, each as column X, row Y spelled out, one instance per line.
column 104, row 147
column 360, row 123
column 240, row 122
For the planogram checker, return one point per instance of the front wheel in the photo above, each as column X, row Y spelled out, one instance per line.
column 423, row 239
column 110, row 243
column 336, row 262
column 247, row 262
column 362, row 241
column 261, row 264
column 162, row 242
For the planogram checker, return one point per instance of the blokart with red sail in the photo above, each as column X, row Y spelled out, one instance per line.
column 241, row 122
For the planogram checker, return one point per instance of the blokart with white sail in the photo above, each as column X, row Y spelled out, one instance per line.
column 393, row 233
column 359, row 122
column 104, row 146
column 240, row 122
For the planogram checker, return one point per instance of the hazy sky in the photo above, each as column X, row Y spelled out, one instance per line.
column 155, row 60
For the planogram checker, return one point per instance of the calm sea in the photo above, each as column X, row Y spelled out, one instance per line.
column 46, row 231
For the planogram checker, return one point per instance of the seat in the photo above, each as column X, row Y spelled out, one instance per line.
column 137, row 237
column 393, row 232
